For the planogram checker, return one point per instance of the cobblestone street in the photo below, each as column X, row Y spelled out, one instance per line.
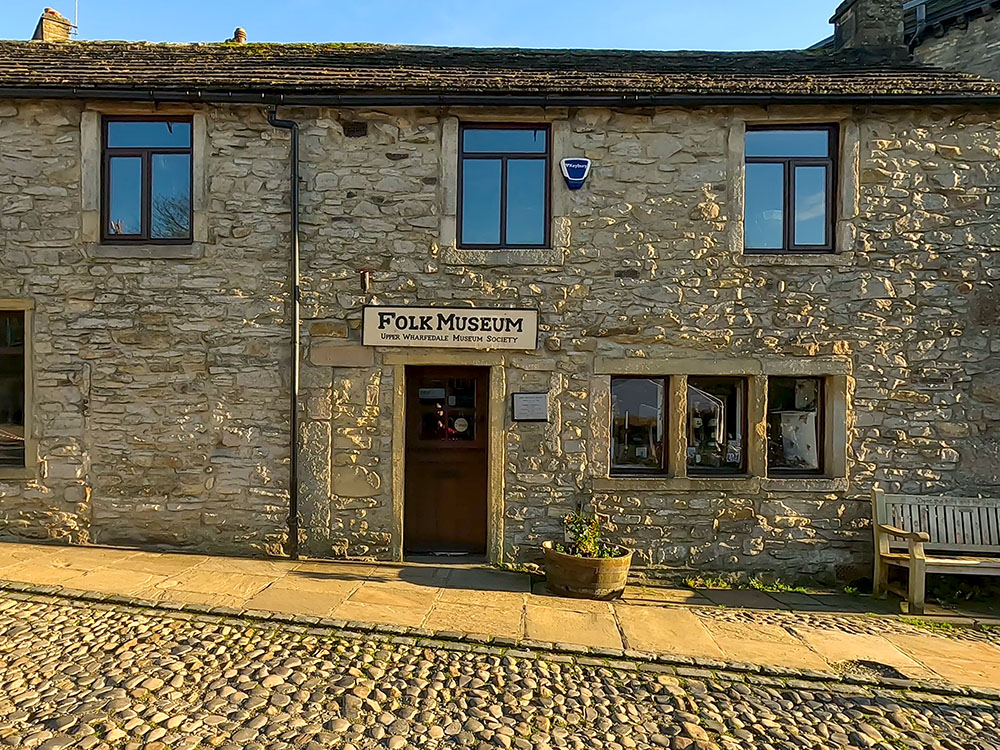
column 76, row 674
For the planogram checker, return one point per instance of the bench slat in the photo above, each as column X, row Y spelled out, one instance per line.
column 970, row 524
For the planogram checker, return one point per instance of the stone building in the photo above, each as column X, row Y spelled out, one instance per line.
column 776, row 286
column 952, row 34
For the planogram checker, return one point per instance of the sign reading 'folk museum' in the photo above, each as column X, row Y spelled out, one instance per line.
column 455, row 327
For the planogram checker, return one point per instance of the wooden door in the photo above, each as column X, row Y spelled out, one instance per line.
column 447, row 422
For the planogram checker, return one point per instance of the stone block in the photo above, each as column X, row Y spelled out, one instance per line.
column 341, row 354
column 355, row 481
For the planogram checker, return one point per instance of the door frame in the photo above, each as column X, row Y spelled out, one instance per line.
column 495, row 444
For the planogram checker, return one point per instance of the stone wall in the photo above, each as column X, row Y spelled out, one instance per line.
column 161, row 385
column 972, row 46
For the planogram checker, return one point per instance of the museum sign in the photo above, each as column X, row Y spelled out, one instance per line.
column 454, row 327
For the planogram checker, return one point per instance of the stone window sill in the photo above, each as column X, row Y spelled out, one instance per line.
column 805, row 484
column 17, row 472
column 457, row 256
column 799, row 259
column 98, row 251
column 730, row 484
column 678, row 484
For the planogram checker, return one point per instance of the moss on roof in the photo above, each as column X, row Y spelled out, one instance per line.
column 346, row 68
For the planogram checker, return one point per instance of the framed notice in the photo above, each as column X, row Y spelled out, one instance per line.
column 531, row 407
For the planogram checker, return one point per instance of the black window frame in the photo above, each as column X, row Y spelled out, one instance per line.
column 146, row 154
column 743, row 470
column 821, row 420
column 640, row 471
column 504, row 156
column 790, row 163
column 24, row 353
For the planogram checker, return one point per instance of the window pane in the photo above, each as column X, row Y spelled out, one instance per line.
column 765, row 201
column 788, row 143
column 171, row 210
column 793, row 423
column 481, row 202
column 716, row 423
column 12, row 388
column 638, row 418
column 498, row 140
column 149, row 134
column 125, row 193
column 525, row 202
column 810, row 206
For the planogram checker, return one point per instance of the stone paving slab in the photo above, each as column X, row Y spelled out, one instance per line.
column 764, row 644
column 950, row 660
column 503, row 607
column 566, row 625
column 666, row 631
column 837, row 647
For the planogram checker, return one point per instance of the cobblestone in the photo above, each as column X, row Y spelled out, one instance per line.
column 72, row 673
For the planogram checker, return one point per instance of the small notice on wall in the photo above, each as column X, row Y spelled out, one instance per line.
column 450, row 327
column 531, row 407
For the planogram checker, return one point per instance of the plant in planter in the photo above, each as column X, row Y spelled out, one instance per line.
column 585, row 566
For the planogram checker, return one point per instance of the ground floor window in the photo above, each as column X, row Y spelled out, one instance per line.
column 794, row 425
column 747, row 425
column 638, row 419
column 12, row 388
column 716, row 425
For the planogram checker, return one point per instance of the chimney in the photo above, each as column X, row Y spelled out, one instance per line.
column 239, row 36
column 869, row 24
column 53, row 26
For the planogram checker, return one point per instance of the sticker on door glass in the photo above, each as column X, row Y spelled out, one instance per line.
column 461, row 424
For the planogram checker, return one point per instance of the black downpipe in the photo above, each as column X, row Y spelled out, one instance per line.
column 296, row 301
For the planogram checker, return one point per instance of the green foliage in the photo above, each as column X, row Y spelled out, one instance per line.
column 708, row 582
column 775, row 587
column 584, row 537
column 852, row 591
column 932, row 625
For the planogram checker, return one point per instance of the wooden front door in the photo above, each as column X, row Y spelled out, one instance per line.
column 447, row 420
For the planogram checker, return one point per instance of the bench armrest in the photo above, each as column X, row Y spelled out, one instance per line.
column 913, row 536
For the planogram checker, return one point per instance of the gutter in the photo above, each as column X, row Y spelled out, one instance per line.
column 295, row 302
column 271, row 98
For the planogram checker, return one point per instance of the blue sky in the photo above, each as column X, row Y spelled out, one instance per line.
column 633, row 24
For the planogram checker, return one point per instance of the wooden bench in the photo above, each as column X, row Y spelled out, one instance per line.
column 962, row 533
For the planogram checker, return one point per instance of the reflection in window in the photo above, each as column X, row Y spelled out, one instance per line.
column 794, row 425
column 765, row 206
column 12, row 388
column 448, row 409
column 716, row 425
column 504, row 187
column 147, row 180
column 789, row 188
column 638, row 424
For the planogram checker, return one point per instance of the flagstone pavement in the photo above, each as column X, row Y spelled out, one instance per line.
column 827, row 633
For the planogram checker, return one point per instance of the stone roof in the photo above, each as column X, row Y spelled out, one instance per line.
column 306, row 73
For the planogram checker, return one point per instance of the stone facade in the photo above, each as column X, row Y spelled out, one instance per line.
column 160, row 384
column 972, row 46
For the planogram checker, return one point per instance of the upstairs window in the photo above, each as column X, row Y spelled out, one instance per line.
column 503, row 186
column 147, row 180
column 790, row 188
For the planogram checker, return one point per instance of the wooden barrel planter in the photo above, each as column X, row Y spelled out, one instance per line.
column 600, row 578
